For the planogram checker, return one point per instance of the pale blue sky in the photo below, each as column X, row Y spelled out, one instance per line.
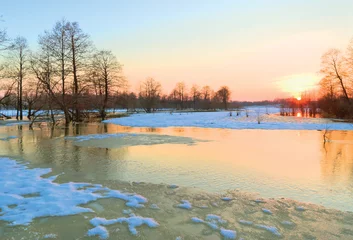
column 248, row 45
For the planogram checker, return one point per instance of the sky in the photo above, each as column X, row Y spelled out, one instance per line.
column 261, row 49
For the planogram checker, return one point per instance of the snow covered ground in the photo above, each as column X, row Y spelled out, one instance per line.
column 269, row 119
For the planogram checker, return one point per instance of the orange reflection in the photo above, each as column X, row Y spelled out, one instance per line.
column 299, row 114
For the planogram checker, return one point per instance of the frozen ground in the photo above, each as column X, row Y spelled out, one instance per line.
column 269, row 119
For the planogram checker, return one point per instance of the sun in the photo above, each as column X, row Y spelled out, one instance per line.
column 299, row 98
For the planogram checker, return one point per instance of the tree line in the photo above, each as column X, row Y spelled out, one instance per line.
column 68, row 74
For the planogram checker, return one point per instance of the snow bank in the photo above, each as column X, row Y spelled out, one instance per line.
column 223, row 120
column 25, row 195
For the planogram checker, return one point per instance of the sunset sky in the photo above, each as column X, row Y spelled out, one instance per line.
column 260, row 49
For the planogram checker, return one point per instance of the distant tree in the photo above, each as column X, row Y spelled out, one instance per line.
column 180, row 93
column 206, row 95
column 149, row 94
column 224, row 95
column 195, row 94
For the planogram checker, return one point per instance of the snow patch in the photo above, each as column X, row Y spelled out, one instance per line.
column 185, row 204
column 99, row 231
column 32, row 196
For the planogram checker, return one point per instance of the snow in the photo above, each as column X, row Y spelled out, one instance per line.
column 270, row 229
column 197, row 220
column 100, row 231
column 185, row 204
column 267, row 211
column 300, row 208
column 34, row 196
column 223, row 120
column 132, row 221
column 227, row 199
column 228, row 234
column 215, row 218
column 213, row 221
column 244, row 222
column 154, row 206
column 50, row 235
column 287, row 223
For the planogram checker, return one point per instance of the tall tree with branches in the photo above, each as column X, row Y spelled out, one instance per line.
column 106, row 76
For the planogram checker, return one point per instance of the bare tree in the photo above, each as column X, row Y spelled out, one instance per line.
column 106, row 75
column 150, row 91
column 16, row 67
column 80, row 49
column 57, row 43
column 334, row 68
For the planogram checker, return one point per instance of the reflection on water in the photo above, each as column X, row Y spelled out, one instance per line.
column 292, row 164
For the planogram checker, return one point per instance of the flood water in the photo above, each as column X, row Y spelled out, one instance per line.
column 273, row 163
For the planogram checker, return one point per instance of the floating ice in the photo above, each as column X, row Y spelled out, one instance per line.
column 185, row 204
column 228, row 234
column 267, row 211
column 270, row 229
column 100, row 231
column 31, row 196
